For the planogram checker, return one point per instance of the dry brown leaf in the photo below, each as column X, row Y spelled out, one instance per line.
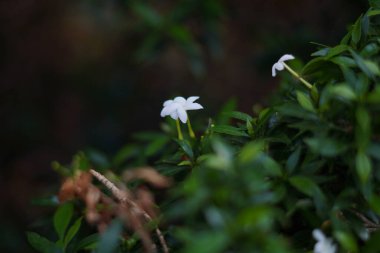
column 145, row 200
column 67, row 190
column 149, row 175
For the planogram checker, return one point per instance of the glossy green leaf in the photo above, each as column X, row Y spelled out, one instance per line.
column 88, row 243
column 357, row 31
column 41, row 244
column 374, row 96
column 372, row 245
column 239, row 115
column 336, row 51
column 250, row 151
column 186, row 148
column 305, row 185
column 326, row 146
column 343, row 91
column 305, row 101
column 293, row 160
column 229, row 130
column 347, row 240
column 156, row 145
column 363, row 128
column 62, row 218
column 73, row 230
column 368, row 67
column 373, row 13
column 363, row 167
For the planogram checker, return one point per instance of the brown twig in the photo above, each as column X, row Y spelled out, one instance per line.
column 368, row 224
column 123, row 198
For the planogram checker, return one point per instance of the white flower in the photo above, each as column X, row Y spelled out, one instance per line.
column 324, row 244
column 280, row 64
column 177, row 107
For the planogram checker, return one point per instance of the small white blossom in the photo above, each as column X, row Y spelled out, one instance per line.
column 280, row 64
column 324, row 244
column 177, row 107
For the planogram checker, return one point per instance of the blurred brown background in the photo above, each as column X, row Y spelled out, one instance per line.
column 88, row 73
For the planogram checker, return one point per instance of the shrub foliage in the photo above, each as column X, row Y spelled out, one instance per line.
column 258, row 183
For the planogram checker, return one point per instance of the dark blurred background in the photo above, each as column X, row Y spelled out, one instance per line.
column 88, row 73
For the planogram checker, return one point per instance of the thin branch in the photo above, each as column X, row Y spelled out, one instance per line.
column 368, row 224
column 123, row 198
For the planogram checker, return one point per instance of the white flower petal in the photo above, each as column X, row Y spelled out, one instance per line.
column 286, row 57
column 174, row 115
column 324, row 244
column 168, row 102
column 193, row 106
column 318, row 235
column 279, row 66
column 169, row 109
column 191, row 99
column 180, row 100
column 182, row 114
column 163, row 112
column 274, row 70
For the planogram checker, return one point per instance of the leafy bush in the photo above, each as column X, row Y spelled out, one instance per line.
column 309, row 161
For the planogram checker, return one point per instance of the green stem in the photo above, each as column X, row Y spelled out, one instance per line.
column 306, row 83
column 191, row 132
column 180, row 136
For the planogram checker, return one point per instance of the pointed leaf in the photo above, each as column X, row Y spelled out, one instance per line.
column 62, row 219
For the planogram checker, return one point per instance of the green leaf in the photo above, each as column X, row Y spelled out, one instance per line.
column 156, row 145
column 148, row 14
column 374, row 96
column 72, row 231
column 357, row 31
column 304, row 185
column 305, row 101
column 347, row 240
column 368, row 67
column 271, row 166
column 250, row 151
column 109, row 240
column 370, row 50
column 239, row 115
column 186, row 147
column 374, row 202
column 88, row 243
column 326, row 146
column 363, row 167
column 314, row 94
column 374, row 151
column 363, row 128
column 207, row 242
column 223, row 155
column 62, row 219
column 124, row 154
column 293, row 159
column 342, row 90
column 294, row 110
column 373, row 13
column 372, row 245
column 336, row 51
column 374, row 4
column 41, row 244
column 344, row 61
column 229, row 130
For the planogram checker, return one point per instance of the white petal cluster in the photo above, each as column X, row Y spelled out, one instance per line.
column 177, row 107
column 278, row 66
column 324, row 244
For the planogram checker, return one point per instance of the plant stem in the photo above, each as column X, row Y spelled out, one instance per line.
column 180, row 136
column 191, row 132
column 306, row 83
